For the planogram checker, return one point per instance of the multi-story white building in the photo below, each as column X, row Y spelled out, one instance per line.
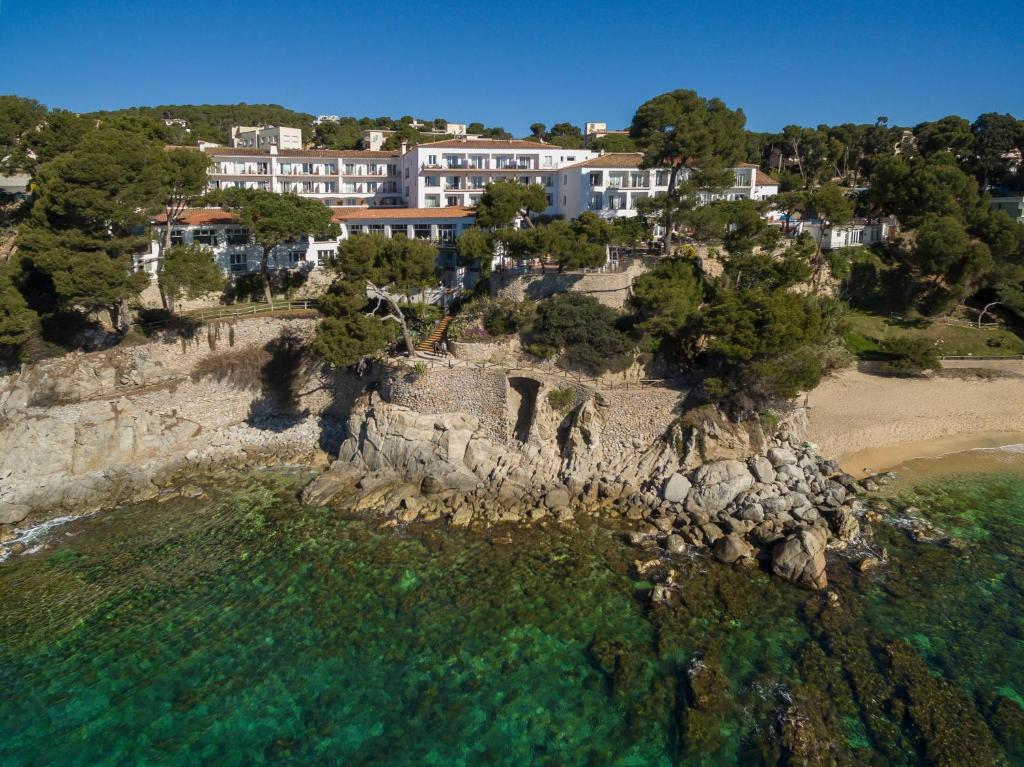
column 611, row 184
column 220, row 231
column 454, row 173
column 266, row 136
column 337, row 177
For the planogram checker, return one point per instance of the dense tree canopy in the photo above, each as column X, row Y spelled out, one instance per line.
column 681, row 129
column 188, row 272
column 275, row 219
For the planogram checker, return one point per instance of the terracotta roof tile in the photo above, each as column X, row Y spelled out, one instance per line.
column 763, row 179
column 611, row 160
column 399, row 214
column 199, row 217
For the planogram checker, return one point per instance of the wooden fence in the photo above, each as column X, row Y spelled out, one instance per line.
column 234, row 311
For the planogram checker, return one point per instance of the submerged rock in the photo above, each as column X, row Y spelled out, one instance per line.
column 800, row 558
column 732, row 548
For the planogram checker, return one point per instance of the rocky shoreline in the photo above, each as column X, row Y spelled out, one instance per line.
column 783, row 506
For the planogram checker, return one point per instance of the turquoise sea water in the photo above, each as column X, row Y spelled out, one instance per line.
column 249, row 629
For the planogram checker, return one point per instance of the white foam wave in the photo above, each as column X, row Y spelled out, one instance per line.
column 35, row 534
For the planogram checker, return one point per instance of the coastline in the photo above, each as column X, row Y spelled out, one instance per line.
column 871, row 423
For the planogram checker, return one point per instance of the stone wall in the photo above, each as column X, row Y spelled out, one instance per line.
column 482, row 394
column 91, row 430
column 635, row 418
column 610, row 288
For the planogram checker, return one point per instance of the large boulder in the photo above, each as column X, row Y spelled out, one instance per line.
column 800, row 558
column 716, row 485
column 844, row 524
column 781, row 456
column 676, row 488
column 761, row 467
column 731, row 548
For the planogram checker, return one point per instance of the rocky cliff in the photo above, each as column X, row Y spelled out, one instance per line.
column 87, row 431
column 704, row 482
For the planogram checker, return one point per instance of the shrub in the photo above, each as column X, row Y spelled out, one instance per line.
column 911, row 355
column 561, row 400
column 584, row 328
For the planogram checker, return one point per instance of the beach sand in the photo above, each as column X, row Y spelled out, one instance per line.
column 871, row 423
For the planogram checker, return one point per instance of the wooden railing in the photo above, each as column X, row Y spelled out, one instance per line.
column 233, row 311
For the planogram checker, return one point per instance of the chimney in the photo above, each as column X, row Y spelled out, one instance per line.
column 404, row 148
column 273, row 149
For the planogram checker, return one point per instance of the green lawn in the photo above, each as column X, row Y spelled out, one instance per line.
column 868, row 330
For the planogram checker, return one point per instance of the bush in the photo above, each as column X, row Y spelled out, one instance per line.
column 502, row 318
column 911, row 355
column 584, row 329
column 561, row 400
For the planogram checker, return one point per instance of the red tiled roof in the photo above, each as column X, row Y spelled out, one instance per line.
column 763, row 179
column 199, row 217
column 355, row 154
column 611, row 160
column 398, row 214
column 490, row 143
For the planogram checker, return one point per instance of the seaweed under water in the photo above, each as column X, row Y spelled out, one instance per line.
column 249, row 629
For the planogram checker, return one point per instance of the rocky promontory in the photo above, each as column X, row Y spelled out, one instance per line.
column 705, row 483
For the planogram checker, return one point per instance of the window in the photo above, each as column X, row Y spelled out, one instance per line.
column 545, row 162
column 177, row 237
column 453, row 200
column 372, row 186
column 547, row 180
column 661, row 178
column 563, row 200
column 239, row 262
column 446, row 232
column 524, row 180
column 263, row 168
column 355, row 228
column 237, row 235
column 565, row 179
column 422, row 231
column 476, row 182
column 324, row 256
column 431, row 201
column 296, row 257
column 399, row 230
column 375, row 228
column 330, row 187
column 350, row 168
column 431, row 181
column 393, row 170
column 595, row 178
column 474, row 199
column 432, row 160
column 205, row 236
column 550, row 201
column 307, row 187
column 596, row 200
column 330, row 168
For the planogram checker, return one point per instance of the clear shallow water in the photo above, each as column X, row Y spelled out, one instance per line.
column 252, row 630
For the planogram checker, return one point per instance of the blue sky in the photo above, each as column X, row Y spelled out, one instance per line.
column 512, row 64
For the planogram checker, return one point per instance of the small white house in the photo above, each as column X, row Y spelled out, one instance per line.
column 1013, row 204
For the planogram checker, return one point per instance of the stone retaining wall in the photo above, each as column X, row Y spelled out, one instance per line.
column 636, row 416
column 479, row 393
column 609, row 288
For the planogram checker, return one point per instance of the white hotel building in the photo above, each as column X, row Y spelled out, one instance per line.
column 426, row 192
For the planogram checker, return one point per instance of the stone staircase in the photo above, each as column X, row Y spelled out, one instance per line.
column 437, row 334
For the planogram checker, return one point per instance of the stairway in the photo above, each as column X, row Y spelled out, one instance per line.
column 437, row 334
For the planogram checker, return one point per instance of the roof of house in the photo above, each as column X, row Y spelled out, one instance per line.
column 199, row 217
column 400, row 214
column 611, row 160
column 490, row 143
column 355, row 154
column 763, row 179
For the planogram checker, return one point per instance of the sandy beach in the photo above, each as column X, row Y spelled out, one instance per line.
column 871, row 422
